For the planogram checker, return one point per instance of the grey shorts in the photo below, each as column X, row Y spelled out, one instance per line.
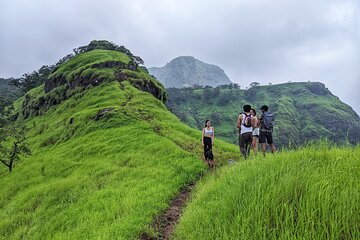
column 256, row 132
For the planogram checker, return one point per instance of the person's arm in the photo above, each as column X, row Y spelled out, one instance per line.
column 238, row 123
column 253, row 121
column 212, row 138
column 257, row 122
column 259, row 119
column 202, row 137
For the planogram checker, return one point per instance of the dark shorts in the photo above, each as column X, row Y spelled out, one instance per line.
column 266, row 136
column 245, row 139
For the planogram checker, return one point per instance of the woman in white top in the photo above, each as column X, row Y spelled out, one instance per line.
column 256, row 132
column 208, row 142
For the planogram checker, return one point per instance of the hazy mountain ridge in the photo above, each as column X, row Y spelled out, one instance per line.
column 187, row 71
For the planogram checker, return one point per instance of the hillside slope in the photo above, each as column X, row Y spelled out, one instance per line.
column 311, row 193
column 304, row 111
column 107, row 156
column 188, row 71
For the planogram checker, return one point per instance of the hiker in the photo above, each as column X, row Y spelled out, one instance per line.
column 266, row 129
column 256, row 132
column 208, row 142
column 245, row 125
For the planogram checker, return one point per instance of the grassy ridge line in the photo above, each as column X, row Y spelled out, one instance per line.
column 312, row 193
column 81, row 65
column 85, row 67
column 100, row 179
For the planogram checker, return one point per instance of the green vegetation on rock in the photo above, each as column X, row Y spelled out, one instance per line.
column 86, row 70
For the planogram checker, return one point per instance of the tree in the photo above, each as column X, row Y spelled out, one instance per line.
column 64, row 59
column 5, row 110
column 106, row 45
column 13, row 145
column 254, row 84
column 216, row 117
column 237, row 86
column 30, row 80
column 224, row 98
column 208, row 93
column 216, row 92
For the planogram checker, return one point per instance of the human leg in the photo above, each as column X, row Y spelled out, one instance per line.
column 270, row 140
column 262, row 141
column 242, row 145
column 273, row 148
column 254, row 145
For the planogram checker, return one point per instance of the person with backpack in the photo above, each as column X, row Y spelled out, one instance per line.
column 245, row 125
column 208, row 142
column 266, row 129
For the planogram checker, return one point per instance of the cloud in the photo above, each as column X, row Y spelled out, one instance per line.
column 252, row 40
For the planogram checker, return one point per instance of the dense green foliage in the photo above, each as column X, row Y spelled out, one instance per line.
column 86, row 70
column 105, row 161
column 189, row 71
column 8, row 91
column 107, row 45
column 8, row 94
column 311, row 193
column 82, row 65
column 31, row 80
column 304, row 111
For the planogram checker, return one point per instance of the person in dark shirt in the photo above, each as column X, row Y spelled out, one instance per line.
column 266, row 129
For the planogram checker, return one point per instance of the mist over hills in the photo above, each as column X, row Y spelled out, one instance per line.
column 187, row 71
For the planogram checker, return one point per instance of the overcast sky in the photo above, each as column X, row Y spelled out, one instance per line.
column 264, row 41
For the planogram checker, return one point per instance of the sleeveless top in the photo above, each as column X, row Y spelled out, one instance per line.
column 208, row 132
column 244, row 129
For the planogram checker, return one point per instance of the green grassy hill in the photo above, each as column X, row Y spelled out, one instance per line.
column 304, row 111
column 107, row 156
column 311, row 193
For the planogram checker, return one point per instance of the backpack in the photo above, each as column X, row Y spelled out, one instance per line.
column 268, row 120
column 247, row 121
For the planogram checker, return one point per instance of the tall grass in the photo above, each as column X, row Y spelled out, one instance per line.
column 104, row 179
column 311, row 193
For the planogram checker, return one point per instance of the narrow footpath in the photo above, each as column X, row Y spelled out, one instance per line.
column 164, row 223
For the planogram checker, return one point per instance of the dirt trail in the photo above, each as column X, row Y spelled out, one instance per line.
column 164, row 224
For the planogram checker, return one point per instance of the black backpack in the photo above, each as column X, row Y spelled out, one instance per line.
column 268, row 120
column 247, row 120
